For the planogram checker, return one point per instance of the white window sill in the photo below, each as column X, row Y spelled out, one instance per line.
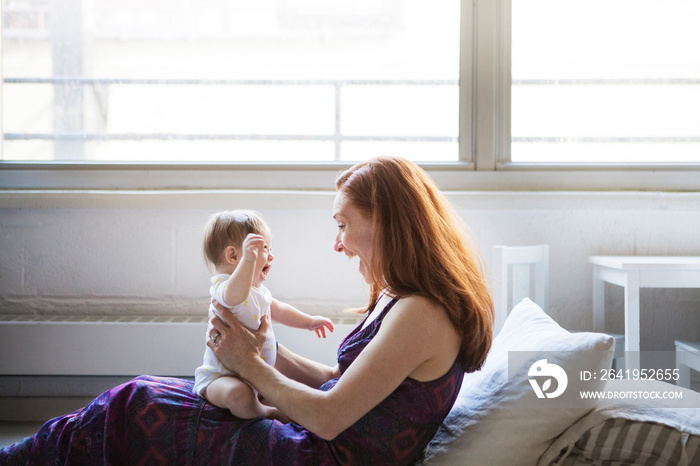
column 449, row 176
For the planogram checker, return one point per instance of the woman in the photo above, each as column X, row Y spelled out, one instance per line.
column 428, row 320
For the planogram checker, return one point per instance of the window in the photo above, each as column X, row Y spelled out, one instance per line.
column 486, row 94
column 605, row 81
column 224, row 81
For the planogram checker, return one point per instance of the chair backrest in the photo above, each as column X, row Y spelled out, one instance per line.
column 513, row 268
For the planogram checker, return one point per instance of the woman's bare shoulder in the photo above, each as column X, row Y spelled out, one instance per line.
column 424, row 323
column 423, row 315
column 422, row 307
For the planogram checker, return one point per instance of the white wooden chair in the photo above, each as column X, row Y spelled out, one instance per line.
column 523, row 272
column 512, row 269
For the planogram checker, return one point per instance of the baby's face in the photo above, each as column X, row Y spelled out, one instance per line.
column 264, row 263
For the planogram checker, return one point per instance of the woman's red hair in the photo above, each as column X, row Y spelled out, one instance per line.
column 421, row 247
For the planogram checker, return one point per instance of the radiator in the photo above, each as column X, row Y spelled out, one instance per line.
column 123, row 347
column 50, row 367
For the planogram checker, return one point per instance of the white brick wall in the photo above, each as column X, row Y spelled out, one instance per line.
column 138, row 253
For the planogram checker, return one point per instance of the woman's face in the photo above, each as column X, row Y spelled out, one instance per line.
column 354, row 236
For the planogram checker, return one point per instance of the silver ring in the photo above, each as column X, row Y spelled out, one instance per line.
column 214, row 337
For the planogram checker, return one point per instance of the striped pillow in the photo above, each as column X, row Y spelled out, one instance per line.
column 621, row 441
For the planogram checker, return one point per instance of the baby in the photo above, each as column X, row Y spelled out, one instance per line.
column 237, row 248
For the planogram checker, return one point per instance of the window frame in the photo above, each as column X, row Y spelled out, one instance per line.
column 484, row 144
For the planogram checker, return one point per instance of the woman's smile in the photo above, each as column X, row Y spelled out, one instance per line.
column 354, row 236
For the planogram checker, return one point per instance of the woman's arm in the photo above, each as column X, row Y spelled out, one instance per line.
column 296, row 367
column 415, row 340
column 310, row 373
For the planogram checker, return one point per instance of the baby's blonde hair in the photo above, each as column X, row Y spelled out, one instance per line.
column 229, row 228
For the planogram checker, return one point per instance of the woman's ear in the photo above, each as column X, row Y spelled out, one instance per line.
column 231, row 255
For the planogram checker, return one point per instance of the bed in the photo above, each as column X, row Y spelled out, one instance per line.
column 498, row 418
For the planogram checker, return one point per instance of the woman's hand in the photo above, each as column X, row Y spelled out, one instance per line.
column 235, row 345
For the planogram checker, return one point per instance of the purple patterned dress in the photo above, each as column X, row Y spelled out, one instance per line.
column 153, row 420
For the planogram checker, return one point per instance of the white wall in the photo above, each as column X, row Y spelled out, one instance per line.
column 138, row 252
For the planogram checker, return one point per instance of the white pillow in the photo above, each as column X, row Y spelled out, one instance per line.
column 488, row 424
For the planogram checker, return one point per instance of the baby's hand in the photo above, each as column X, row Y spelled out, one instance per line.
column 252, row 245
column 319, row 324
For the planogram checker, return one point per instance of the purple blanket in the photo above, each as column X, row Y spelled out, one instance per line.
column 154, row 420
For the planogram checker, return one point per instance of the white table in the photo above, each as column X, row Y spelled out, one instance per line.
column 633, row 273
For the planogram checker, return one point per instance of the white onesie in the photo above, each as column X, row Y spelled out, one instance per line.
column 249, row 313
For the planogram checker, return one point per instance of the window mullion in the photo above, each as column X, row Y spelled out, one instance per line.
column 504, row 81
column 466, row 82
column 488, row 35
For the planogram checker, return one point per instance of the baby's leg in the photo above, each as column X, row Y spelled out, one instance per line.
column 238, row 397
